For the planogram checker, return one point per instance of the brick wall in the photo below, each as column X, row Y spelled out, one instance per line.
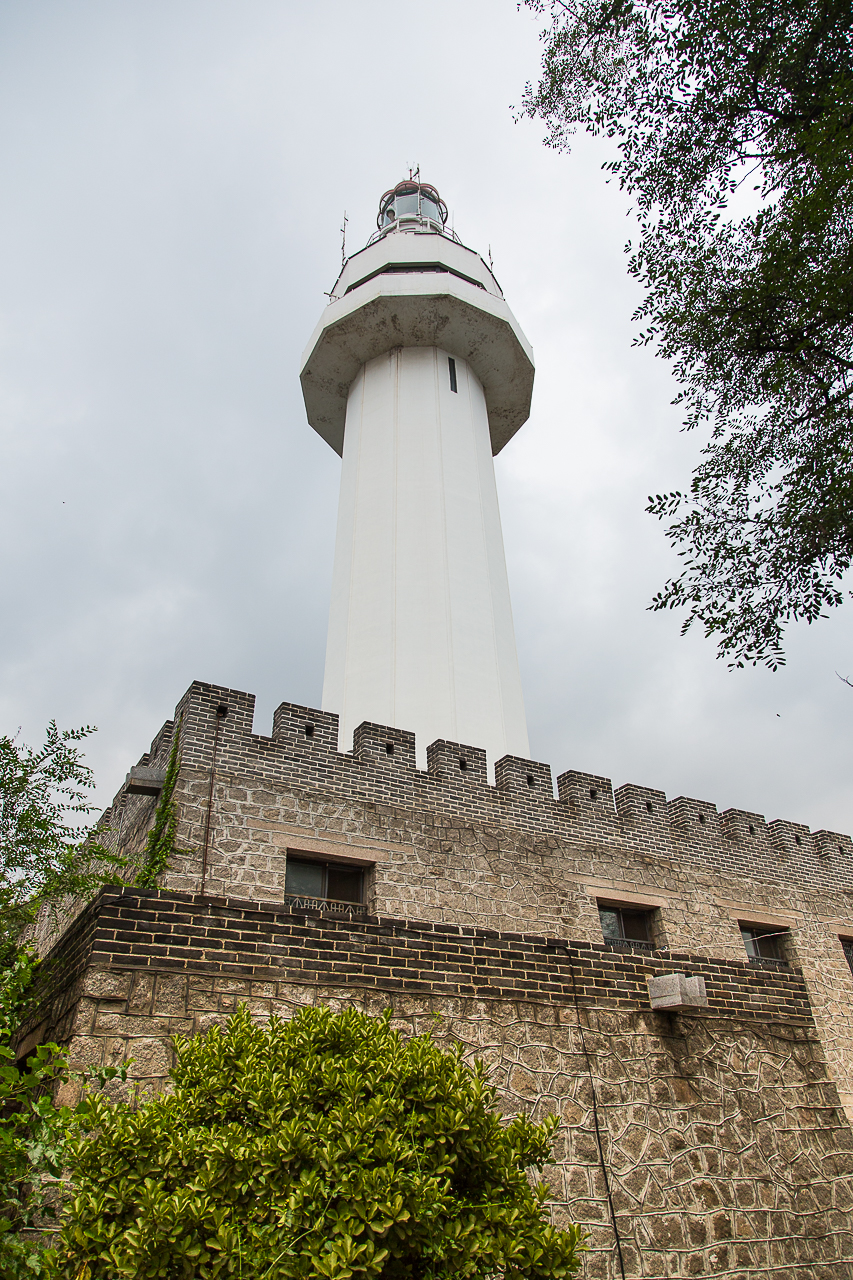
column 445, row 847
column 635, row 818
column 178, row 932
column 723, row 1139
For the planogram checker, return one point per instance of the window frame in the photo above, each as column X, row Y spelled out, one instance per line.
column 777, row 959
column 322, row 902
column 625, row 943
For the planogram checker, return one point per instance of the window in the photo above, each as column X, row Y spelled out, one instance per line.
column 626, row 928
column 407, row 203
column 847, row 948
column 764, row 945
column 451, row 364
column 327, row 886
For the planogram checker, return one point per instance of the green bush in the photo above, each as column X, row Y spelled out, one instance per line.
column 48, row 856
column 33, row 1130
column 326, row 1146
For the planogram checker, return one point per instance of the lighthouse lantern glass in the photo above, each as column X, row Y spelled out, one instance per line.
column 411, row 201
column 406, row 203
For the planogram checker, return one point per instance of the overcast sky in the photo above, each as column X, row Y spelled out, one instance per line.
column 174, row 177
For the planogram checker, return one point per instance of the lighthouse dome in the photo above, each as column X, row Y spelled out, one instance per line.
column 411, row 202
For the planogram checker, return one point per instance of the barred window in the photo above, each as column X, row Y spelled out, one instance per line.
column 628, row 928
column 323, row 885
column 764, row 945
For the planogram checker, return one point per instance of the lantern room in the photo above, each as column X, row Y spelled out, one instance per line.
column 411, row 202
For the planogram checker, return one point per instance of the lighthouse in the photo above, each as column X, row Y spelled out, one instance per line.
column 417, row 375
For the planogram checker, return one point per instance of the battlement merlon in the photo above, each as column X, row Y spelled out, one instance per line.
column 302, row 752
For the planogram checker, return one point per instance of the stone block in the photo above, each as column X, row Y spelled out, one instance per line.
column 150, row 1057
column 144, row 781
column 107, row 983
column 673, row 991
column 171, row 994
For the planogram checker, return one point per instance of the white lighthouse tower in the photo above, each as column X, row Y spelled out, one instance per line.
column 417, row 374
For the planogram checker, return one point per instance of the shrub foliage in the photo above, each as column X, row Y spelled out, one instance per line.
column 33, row 1130
column 47, row 852
column 326, row 1146
column 48, row 857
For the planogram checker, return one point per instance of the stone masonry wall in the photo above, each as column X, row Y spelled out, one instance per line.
column 444, row 846
column 726, row 1149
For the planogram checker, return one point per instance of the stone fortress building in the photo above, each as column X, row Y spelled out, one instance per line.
column 674, row 982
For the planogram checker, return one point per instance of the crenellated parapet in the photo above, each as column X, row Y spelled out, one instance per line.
column 302, row 752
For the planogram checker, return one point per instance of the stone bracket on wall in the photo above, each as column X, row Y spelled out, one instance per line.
column 144, row 781
column 673, row 991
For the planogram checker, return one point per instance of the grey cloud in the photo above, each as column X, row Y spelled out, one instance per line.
column 175, row 177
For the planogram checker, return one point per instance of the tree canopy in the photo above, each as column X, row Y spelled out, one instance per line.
column 733, row 127
column 46, row 853
column 47, row 857
column 325, row 1146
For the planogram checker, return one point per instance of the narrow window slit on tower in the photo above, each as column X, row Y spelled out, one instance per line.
column 463, row 764
column 593, row 793
column 847, row 945
column 451, row 364
column 389, row 748
column 531, row 781
column 309, row 731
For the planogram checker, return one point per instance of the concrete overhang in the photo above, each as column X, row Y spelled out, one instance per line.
column 403, row 249
column 144, row 781
column 416, row 309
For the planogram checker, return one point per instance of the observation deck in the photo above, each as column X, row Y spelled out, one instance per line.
column 414, row 284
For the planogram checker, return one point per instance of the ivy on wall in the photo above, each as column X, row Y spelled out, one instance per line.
column 160, row 845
